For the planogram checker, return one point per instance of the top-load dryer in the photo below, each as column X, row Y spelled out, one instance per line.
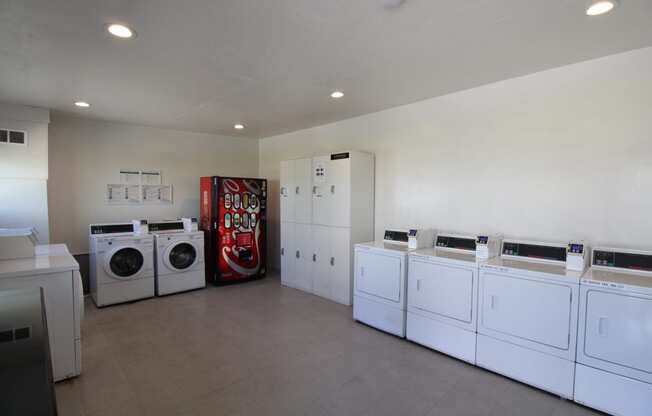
column 380, row 278
column 442, row 293
column 614, row 347
column 121, row 264
column 527, row 313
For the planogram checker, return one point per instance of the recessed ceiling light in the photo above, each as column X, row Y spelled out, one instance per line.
column 239, row 126
column 82, row 104
column 337, row 94
column 120, row 31
column 600, row 7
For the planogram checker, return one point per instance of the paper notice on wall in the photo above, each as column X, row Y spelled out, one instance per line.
column 151, row 178
column 130, row 176
column 157, row 194
column 116, row 193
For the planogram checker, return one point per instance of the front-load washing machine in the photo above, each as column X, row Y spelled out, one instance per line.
column 527, row 313
column 379, row 291
column 179, row 257
column 121, row 264
column 443, row 290
column 614, row 349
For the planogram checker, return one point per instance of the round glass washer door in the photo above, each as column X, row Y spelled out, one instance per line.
column 124, row 263
column 181, row 256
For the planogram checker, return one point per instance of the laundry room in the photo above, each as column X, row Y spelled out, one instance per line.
column 337, row 208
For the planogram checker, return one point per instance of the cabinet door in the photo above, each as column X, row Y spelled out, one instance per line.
column 304, row 256
column 287, row 191
column 339, row 193
column 321, row 266
column 340, row 265
column 288, row 262
column 320, row 190
column 303, row 190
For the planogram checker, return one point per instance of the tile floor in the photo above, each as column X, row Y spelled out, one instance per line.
column 261, row 349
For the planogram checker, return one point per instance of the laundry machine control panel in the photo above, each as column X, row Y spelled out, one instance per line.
column 534, row 250
column 396, row 237
column 639, row 261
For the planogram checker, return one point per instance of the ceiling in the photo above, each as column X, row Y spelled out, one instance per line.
column 204, row 65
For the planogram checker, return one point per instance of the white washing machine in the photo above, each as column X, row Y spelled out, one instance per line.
column 379, row 291
column 614, row 348
column 443, row 291
column 179, row 257
column 527, row 314
column 121, row 264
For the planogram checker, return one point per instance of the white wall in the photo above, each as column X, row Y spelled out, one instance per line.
column 24, row 170
column 85, row 155
column 560, row 154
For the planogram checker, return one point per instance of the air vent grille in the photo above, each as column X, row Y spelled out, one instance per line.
column 9, row 136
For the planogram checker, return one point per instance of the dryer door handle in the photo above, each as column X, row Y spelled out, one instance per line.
column 603, row 326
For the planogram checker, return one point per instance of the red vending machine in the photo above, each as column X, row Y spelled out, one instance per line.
column 234, row 222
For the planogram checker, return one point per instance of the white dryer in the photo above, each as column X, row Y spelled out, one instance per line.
column 121, row 264
column 527, row 314
column 179, row 257
column 614, row 351
column 379, row 291
column 443, row 291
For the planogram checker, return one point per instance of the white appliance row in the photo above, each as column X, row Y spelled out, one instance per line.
column 325, row 205
column 533, row 314
column 52, row 268
column 127, row 265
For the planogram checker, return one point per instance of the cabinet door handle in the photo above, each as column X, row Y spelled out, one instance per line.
column 603, row 328
column 298, row 255
column 332, row 261
column 492, row 302
column 418, row 284
column 314, row 190
column 361, row 271
column 296, row 190
column 314, row 257
column 332, row 189
column 282, row 251
column 283, row 191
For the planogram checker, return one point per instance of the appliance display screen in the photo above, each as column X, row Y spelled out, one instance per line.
column 623, row 260
column 396, row 236
column 535, row 251
column 456, row 242
column 483, row 239
column 166, row 226
column 576, row 248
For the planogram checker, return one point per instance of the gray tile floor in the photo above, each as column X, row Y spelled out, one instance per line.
column 261, row 349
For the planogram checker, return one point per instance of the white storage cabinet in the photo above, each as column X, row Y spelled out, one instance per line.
column 327, row 206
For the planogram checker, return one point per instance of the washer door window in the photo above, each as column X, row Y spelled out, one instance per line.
column 181, row 256
column 125, row 263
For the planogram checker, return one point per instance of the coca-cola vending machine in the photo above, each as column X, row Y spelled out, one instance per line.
column 234, row 222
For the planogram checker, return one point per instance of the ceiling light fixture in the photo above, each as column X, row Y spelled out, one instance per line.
column 82, row 104
column 337, row 94
column 239, row 126
column 600, row 7
column 120, row 31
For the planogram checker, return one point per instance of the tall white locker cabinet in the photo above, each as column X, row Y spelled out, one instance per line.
column 320, row 227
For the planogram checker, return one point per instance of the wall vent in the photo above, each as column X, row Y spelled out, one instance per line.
column 9, row 136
